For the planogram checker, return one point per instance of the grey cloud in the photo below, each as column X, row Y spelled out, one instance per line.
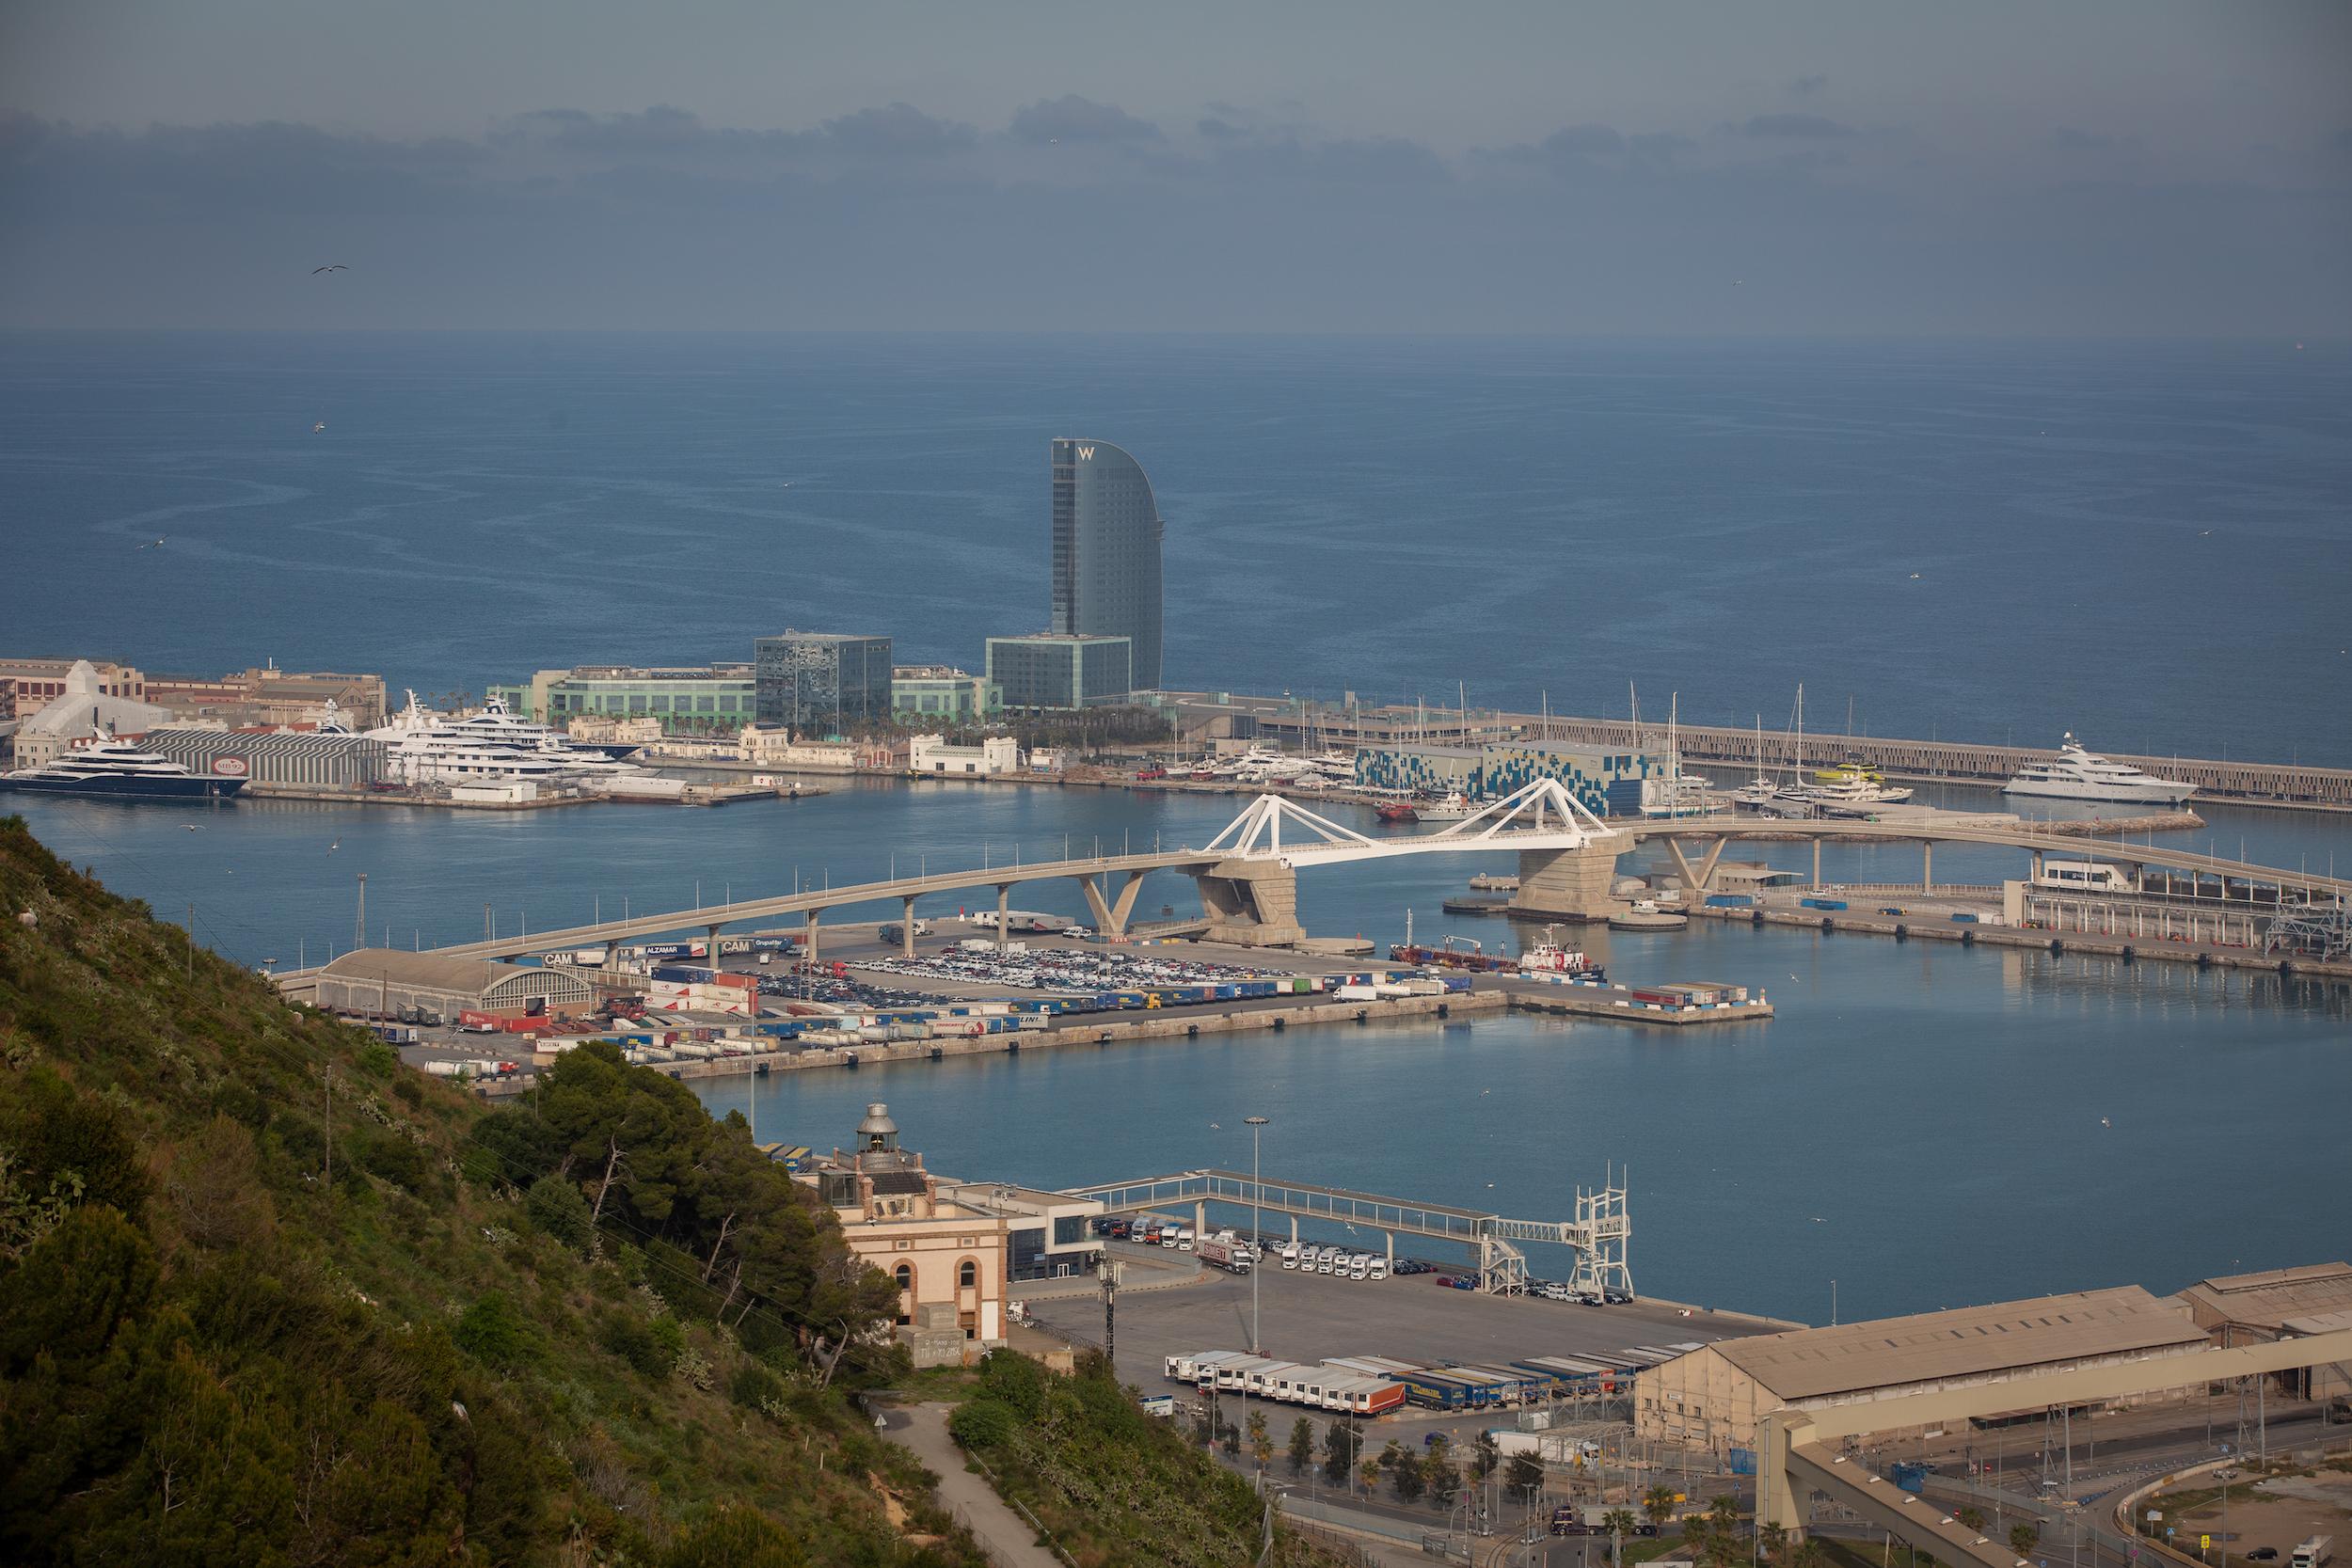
column 2067, row 139
column 1790, row 126
column 566, row 219
column 899, row 130
column 1219, row 129
column 1378, row 159
column 663, row 132
column 1805, row 86
column 1584, row 140
column 1073, row 119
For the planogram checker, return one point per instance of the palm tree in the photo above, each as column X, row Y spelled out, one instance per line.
column 1972, row 1517
column 2023, row 1539
column 1619, row 1524
column 1657, row 1504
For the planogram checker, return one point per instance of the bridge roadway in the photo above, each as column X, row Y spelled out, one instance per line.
column 1266, row 856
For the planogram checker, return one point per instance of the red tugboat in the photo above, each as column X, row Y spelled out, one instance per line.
column 1397, row 811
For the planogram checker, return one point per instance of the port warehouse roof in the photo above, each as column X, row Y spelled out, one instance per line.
column 2266, row 1300
column 356, row 977
column 1961, row 1343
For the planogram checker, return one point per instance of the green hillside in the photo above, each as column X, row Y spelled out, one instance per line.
column 268, row 1297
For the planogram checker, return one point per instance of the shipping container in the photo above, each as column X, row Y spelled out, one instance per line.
column 1731, row 900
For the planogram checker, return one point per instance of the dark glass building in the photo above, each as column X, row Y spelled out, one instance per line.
column 811, row 682
column 1052, row 671
column 1106, row 552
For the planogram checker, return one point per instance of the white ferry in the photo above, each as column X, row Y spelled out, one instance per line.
column 2076, row 774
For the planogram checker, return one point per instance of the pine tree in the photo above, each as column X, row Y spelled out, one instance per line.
column 1302, row 1451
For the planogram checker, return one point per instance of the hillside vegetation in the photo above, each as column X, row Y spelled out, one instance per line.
column 267, row 1297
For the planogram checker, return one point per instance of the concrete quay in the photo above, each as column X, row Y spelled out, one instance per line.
column 1936, row 925
column 1085, row 1029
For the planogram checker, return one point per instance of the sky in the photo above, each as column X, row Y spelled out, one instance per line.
column 2136, row 167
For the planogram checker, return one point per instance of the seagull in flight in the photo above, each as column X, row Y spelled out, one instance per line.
column 337, row 845
column 191, row 827
column 316, row 428
column 152, row 544
column 335, row 267
column 1215, row 1128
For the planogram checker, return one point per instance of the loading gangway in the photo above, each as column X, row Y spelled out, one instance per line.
column 1597, row 1235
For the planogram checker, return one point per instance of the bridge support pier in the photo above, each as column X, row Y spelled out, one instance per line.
column 808, row 938
column 1926, row 866
column 1110, row 914
column 1817, row 863
column 1703, row 879
column 1004, row 915
column 1251, row 903
column 906, row 925
column 1566, row 884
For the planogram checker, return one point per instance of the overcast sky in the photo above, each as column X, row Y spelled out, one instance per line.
column 2129, row 166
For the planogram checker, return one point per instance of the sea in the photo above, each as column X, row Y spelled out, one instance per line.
column 2146, row 543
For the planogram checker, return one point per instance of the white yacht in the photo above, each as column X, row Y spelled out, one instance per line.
column 2076, row 774
column 426, row 747
column 1453, row 807
column 1850, row 796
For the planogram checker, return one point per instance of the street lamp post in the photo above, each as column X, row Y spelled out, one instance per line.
column 1257, row 1253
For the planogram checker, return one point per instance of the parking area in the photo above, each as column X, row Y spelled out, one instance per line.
column 1314, row 1318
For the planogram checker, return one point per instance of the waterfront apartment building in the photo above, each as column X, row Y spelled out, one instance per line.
column 815, row 682
column 942, row 691
column 1106, row 553
column 1050, row 670
column 683, row 699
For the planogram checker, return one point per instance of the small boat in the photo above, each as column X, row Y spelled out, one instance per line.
column 316, row 428
column 1396, row 811
column 1852, row 768
column 1455, row 807
column 1550, row 958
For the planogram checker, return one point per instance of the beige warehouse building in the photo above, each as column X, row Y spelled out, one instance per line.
column 1712, row 1397
column 387, row 982
column 2275, row 1304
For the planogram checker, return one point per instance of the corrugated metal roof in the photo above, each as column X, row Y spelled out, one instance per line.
column 437, row 971
column 2267, row 1299
column 1966, row 1342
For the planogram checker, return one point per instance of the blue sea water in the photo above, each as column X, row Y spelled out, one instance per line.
column 1939, row 1108
column 2148, row 544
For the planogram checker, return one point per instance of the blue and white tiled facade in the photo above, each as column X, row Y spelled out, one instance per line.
column 1609, row 783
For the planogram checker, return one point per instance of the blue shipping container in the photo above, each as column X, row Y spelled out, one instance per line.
column 1731, row 900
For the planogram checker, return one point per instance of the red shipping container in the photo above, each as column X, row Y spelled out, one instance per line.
column 746, row 982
